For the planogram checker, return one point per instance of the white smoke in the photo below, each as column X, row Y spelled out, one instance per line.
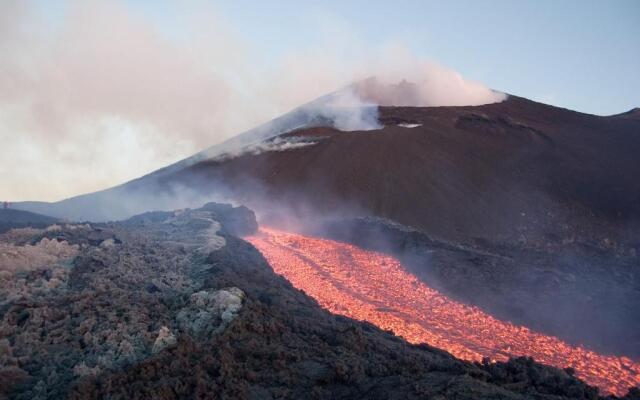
column 408, row 125
column 348, row 111
column 275, row 144
column 444, row 88
column 104, row 95
column 343, row 110
column 401, row 79
column 388, row 76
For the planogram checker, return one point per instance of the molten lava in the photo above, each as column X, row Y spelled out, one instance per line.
column 374, row 287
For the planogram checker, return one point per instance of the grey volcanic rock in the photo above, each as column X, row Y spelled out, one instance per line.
column 150, row 315
column 210, row 311
column 84, row 300
column 238, row 221
column 165, row 339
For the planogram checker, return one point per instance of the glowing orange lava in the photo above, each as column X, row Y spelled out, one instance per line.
column 374, row 287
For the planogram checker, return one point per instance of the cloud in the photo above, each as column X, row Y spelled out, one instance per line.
column 103, row 93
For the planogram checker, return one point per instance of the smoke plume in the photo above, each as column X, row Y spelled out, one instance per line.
column 102, row 93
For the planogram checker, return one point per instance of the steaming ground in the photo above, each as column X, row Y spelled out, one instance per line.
column 275, row 144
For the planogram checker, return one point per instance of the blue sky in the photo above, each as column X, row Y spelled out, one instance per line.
column 583, row 55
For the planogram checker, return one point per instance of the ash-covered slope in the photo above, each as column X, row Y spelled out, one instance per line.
column 510, row 171
column 171, row 305
column 516, row 171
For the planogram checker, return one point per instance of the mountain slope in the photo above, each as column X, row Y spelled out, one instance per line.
column 550, row 193
column 516, row 170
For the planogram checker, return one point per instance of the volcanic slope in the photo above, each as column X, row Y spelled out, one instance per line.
column 172, row 305
column 548, row 198
column 511, row 171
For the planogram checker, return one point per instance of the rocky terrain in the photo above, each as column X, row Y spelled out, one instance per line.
column 171, row 305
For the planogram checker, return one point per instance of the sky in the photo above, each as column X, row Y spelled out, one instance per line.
column 95, row 93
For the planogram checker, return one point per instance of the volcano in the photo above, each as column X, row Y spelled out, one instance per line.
column 528, row 212
column 515, row 170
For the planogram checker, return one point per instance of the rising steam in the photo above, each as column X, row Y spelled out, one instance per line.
column 435, row 87
column 107, row 75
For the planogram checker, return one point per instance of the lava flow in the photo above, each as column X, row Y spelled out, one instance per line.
column 374, row 287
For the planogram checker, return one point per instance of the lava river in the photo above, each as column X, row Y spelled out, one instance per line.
column 374, row 287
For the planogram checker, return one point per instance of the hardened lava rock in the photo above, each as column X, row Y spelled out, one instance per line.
column 209, row 312
column 80, row 301
column 159, row 307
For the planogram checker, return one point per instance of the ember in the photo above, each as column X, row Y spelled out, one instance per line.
column 374, row 287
